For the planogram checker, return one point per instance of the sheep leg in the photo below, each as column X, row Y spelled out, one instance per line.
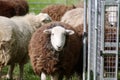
column 79, row 78
column 21, row 67
column 57, row 77
column 68, row 78
column 10, row 72
column 54, row 77
column 60, row 77
column 43, row 76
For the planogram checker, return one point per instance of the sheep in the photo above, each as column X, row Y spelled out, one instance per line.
column 10, row 8
column 15, row 34
column 110, row 36
column 74, row 17
column 54, row 50
column 111, row 15
column 57, row 11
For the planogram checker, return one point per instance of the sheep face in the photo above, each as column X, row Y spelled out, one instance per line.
column 112, row 20
column 58, row 36
column 112, row 15
column 43, row 18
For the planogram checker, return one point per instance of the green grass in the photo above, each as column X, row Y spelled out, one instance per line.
column 28, row 73
column 36, row 7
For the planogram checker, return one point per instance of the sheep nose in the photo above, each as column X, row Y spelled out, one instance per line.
column 111, row 25
column 58, row 47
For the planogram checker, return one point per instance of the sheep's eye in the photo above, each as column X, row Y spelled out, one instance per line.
column 65, row 34
column 46, row 21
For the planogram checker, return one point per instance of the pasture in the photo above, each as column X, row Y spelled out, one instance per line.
column 36, row 6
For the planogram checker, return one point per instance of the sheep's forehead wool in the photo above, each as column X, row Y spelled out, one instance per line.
column 58, row 37
column 58, row 29
column 112, row 14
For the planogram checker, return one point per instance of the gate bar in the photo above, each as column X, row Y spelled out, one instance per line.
column 89, row 40
column 96, row 44
column 84, row 39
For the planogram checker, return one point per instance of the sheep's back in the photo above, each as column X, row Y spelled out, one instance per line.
column 74, row 17
column 11, row 8
column 19, row 36
column 56, row 11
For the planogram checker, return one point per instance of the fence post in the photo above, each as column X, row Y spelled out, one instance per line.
column 84, row 38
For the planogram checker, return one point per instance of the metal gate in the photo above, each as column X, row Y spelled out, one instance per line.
column 103, row 39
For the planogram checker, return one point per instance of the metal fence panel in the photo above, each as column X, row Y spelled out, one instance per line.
column 103, row 43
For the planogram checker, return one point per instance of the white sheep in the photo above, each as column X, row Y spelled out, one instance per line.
column 74, row 17
column 15, row 34
column 54, row 50
column 111, row 15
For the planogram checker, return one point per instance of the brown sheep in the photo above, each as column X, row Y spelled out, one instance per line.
column 57, row 11
column 10, row 8
column 46, row 60
column 75, row 18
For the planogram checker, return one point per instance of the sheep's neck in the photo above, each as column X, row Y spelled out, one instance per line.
column 58, row 54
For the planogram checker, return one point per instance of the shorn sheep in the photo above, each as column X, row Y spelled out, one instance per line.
column 54, row 50
column 10, row 8
column 57, row 11
column 15, row 34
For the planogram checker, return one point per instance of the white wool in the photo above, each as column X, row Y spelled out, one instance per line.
column 15, row 34
column 5, row 29
column 19, row 29
column 112, row 15
column 74, row 17
column 33, row 21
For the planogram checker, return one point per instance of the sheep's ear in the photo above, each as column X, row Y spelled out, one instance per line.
column 47, row 31
column 70, row 32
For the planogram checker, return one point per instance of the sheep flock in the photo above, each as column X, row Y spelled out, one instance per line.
column 51, row 40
